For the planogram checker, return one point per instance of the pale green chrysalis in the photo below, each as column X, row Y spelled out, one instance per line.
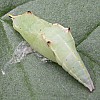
column 54, row 42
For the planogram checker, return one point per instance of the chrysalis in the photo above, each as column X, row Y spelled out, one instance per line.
column 54, row 42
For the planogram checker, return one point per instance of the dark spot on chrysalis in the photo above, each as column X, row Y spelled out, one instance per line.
column 69, row 29
column 29, row 12
column 48, row 43
column 10, row 17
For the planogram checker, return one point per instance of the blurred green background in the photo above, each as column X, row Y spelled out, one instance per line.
column 33, row 79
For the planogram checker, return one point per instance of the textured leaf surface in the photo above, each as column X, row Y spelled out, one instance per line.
column 32, row 79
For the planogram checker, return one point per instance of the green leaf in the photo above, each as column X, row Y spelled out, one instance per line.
column 32, row 79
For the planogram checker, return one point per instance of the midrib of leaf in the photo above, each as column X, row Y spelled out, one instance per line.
column 88, row 34
column 90, row 58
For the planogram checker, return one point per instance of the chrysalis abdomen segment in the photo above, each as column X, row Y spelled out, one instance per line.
column 68, row 58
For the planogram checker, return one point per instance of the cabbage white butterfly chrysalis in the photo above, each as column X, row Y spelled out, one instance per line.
column 54, row 42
